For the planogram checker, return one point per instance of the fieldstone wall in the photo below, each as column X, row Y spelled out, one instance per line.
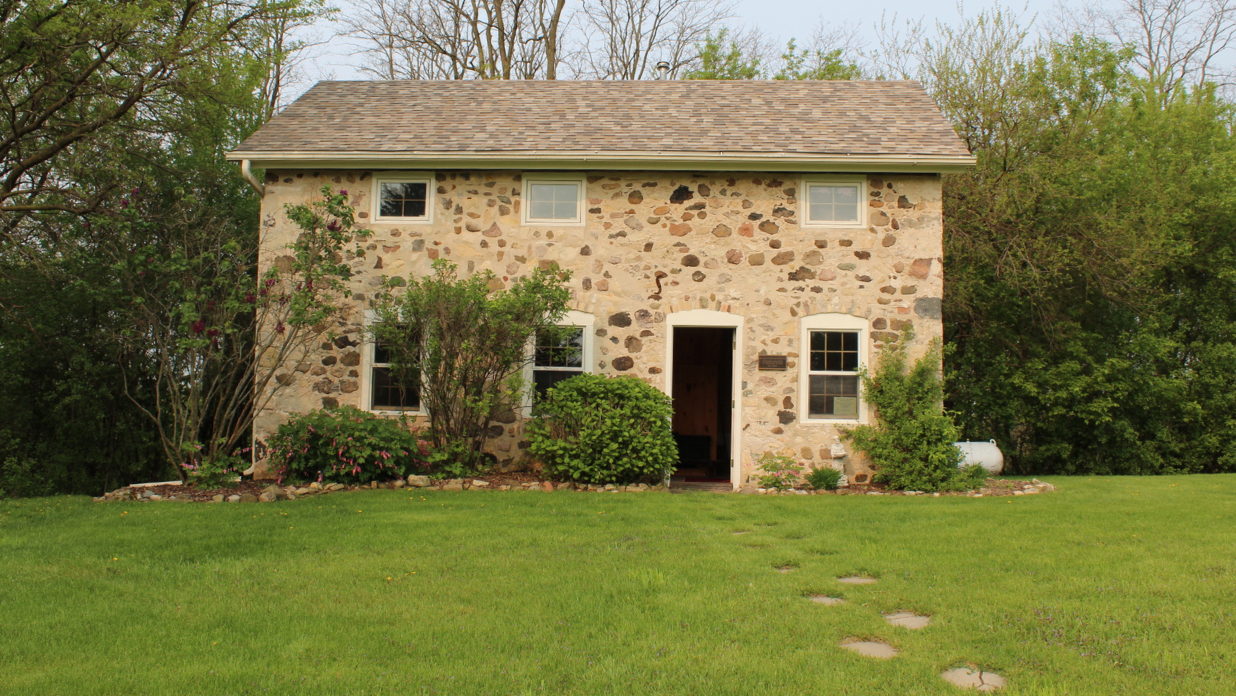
column 654, row 243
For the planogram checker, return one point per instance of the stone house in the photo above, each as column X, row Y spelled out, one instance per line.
column 744, row 246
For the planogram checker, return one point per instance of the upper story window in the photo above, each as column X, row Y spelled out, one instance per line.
column 834, row 202
column 403, row 198
column 834, row 352
column 553, row 199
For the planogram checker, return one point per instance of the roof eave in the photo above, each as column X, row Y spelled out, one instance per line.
column 719, row 161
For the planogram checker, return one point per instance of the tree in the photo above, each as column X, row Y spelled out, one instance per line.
column 461, row 39
column 815, row 64
column 217, row 338
column 625, row 39
column 722, row 58
column 113, row 107
column 463, row 342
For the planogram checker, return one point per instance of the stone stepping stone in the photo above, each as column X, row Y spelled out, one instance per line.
column 908, row 619
column 857, row 580
column 871, row 648
column 740, row 532
column 969, row 679
column 785, row 568
column 826, row 600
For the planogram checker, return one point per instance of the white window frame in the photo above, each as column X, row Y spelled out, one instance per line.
column 525, row 207
column 366, row 379
column 572, row 319
column 426, row 178
column 830, row 321
column 859, row 182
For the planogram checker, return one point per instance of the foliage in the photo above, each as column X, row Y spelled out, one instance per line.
column 115, row 107
column 911, row 446
column 217, row 338
column 721, row 58
column 221, row 470
column 1086, row 255
column 464, row 342
column 595, row 429
column 781, row 471
column 824, row 479
column 815, row 64
column 345, row 445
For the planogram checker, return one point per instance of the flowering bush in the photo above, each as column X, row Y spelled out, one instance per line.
column 781, row 471
column 206, row 472
column 345, row 445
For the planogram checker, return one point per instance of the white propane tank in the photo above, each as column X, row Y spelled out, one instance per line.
column 985, row 454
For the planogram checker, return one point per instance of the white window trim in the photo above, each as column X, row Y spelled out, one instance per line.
column 805, row 201
column 366, row 378
column 426, row 178
column 573, row 318
column 525, row 207
column 829, row 321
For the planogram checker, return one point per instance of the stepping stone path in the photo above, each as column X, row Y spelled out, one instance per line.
column 871, row 648
column 826, row 600
column 908, row 619
column 784, row 568
column 857, row 580
column 968, row 679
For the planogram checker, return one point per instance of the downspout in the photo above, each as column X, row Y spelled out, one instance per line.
column 248, row 174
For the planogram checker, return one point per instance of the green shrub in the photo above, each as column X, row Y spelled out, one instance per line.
column 781, row 471
column 595, row 429
column 216, row 471
column 345, row 445
column 824, row 479
column 911, row 445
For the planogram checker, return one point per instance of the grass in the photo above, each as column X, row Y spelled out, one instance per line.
column 1111, row 585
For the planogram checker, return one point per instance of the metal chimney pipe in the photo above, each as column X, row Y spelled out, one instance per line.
column 663, row 69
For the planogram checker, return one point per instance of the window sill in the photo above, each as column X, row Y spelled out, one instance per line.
column 554, row 223
column 404, row 221
column 831, row 421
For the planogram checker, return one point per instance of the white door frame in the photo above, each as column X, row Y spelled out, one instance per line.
column 707, row 318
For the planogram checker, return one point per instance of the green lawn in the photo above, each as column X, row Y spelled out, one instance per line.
column 1109, row 586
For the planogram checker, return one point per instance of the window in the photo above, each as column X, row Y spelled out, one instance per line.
column 385, row 392
column 833, row 352
column 834, row 203
column 558, row 354
column 557, row 200
column 403, row 198
column 832, row 386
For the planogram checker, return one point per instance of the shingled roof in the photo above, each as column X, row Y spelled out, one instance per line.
column 809, row 125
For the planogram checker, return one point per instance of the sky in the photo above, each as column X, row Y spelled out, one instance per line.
column 779, row 19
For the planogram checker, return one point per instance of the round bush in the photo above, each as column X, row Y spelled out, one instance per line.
column 594, row 429
column 345, row 445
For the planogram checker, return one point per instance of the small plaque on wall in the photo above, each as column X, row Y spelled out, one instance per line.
column 772, row 362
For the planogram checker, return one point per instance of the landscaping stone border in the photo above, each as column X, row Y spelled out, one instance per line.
column 251, row 492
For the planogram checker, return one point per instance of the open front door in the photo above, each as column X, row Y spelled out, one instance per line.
column 704, row 401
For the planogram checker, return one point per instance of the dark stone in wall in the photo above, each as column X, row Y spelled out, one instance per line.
column 786, row 417
column 621, row 319
column 624, row 363
column 928, row 307
column 681, row 194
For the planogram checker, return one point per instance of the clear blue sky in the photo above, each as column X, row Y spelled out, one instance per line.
column 780, row 19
